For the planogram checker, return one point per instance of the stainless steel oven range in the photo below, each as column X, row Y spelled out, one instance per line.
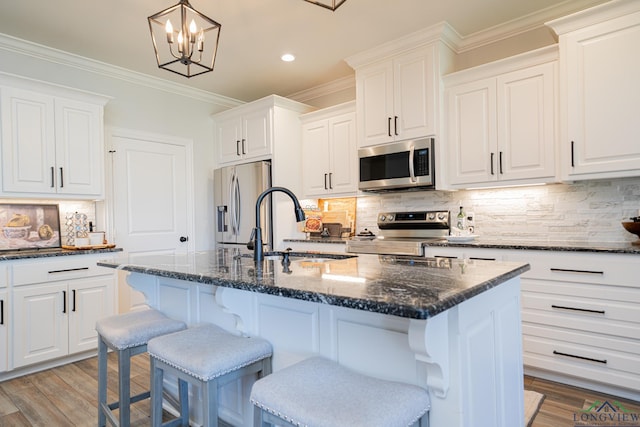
column 403, row 233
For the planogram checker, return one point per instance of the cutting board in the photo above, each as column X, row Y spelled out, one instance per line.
column 87, row 247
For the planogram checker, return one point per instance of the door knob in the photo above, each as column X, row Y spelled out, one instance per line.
column 183, row 239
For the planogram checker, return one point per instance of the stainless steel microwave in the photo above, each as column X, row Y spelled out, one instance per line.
column 404, row 165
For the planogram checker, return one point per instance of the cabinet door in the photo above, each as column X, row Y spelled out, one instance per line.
column 4, row 327
column 526, row 111
column 229, row 134
column 414, row 95
column 472, row 132
column 374, row 99
column 315, row 158
column 40, row 323
column 28, row 142
column 79, row 147
column 603, row 99
column 89, row 300
column 256, row 126
column 343, row 154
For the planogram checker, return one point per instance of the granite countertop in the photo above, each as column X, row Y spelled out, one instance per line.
column 417, row 288
column 542, row 245
column 47, row 253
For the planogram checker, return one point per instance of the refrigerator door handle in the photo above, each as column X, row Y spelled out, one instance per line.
column 232, row 207
column 222, row 223
column 237, row 204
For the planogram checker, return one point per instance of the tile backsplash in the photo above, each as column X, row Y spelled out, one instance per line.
column 584, row 211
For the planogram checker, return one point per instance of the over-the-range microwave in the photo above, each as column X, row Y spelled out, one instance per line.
column 404, row 165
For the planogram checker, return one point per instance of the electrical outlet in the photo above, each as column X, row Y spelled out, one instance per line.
column 471, row 222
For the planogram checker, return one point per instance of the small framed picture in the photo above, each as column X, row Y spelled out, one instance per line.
column 29, row 226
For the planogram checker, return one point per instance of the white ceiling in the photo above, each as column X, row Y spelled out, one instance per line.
column 255, row 33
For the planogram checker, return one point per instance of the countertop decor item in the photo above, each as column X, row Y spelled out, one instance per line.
column 29, row 226
column 633, row 227
column 189, row 48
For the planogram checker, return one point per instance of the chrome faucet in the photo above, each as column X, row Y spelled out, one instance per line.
column 258, row 254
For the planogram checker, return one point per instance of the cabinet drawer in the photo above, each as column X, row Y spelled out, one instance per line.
column 616, row 269
column 604, row 317
column 583, row 361
column 62, row 268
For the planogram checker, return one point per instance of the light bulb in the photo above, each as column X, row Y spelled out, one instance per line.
column 169, row 29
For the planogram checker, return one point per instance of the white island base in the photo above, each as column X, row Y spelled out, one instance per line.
column 468, row 357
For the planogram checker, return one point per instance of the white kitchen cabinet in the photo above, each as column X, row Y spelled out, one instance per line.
column 55, row 305
column 250, row 131
column 501, row 122
column 245, row 134
column 398, row 86
column 600, row 94
column 52, row 143
column 329, row 153
column 4, row 320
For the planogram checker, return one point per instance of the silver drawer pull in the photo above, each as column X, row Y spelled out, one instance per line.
column 603, row 361
column 67, row 270
column 482, row 259
column 445, row 257
column 566, row 270
column 586, row 310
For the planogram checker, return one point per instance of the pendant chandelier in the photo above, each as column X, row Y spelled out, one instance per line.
column 329, row 4
column 185, row 41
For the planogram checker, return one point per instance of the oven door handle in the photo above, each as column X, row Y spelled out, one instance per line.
column 412, row 174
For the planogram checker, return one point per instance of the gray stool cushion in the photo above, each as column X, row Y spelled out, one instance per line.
column 127, row 330
column 320, row 393
column 207, row 351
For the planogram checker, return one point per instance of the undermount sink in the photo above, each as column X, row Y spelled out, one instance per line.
column 301, row 255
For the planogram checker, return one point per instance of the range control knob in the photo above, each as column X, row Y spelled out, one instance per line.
column 382, row 218
column 441, row 216
column 390, row 217
column 432, row 216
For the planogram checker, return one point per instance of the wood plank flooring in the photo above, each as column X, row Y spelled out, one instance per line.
column 67, row 396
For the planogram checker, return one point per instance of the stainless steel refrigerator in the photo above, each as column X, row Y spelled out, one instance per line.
column 236, row 189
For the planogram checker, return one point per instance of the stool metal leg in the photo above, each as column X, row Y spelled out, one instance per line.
column 124, row 386
column 102, row 382
column 210, row 400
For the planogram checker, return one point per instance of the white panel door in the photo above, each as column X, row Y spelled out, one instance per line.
column 4, row 327
column 89, row 300
column 40, row 323
column 342, row 150
column 28, row 142
column 472, row 132
column 152, row 210
column 315, row 158
column 603, row 98
column 526, row 133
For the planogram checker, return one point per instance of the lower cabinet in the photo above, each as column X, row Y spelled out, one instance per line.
column 4, row 312
column 54, row 308
column 580, row 315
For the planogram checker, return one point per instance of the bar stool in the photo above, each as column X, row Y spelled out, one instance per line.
column 320, row 393
column 126, row 334
column 205, row 356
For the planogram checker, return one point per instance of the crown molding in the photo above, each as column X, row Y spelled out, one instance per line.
column 45, row 53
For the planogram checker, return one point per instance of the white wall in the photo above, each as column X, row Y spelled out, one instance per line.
column 137, row 104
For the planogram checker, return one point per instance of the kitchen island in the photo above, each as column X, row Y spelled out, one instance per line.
column 451, row 326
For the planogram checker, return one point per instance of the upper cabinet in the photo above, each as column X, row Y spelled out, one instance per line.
column 600, row 91
column 329, row 153
column 398, row 87
column 500, row 122
column 246, row 133
column 52, row 141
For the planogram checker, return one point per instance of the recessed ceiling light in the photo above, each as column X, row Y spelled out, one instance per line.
column 288, row 57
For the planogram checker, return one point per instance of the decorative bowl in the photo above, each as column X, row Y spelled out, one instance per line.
column 16, row 232
column 633, row 228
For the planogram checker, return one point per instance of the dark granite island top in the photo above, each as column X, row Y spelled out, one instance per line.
column 450, row 326
column 416, row 288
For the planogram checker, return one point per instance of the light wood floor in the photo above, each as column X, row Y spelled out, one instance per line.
column 67, row 396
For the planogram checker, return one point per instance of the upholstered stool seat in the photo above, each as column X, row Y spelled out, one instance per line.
column 126, row 334
column 206, row 356
column 320, row 393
